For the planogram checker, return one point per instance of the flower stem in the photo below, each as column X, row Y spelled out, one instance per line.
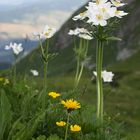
column 67, row 126
column 45, row 76
column 45, row 58
column 99, row 59
column 81, row 55
column 14, row 74
column 46, row 65
column 14, row 70
column 78, row 52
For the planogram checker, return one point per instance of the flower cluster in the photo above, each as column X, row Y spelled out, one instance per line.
column 99, row 11
column 47, row 33
column 16, row 48
column 107, row 76
column 82, row 33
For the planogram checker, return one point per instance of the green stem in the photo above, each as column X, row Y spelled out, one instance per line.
column 78, row 62
column 80, row 74
column 14, row 74
column 46, row 65
column 99, row 59
column 67, row 126
column 45, row 56
column 84, row 52
column 14, row 71
column 45, row 75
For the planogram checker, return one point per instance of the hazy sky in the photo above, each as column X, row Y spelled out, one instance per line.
column 16, row 2
column 21, row 17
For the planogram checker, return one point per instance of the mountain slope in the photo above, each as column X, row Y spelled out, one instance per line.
column 115, row 52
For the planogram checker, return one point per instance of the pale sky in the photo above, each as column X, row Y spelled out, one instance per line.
column 21, row 17
column 15, row 2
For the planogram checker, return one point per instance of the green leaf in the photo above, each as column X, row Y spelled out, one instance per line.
column 114, row 38
column 54, row 137
column 5, row 113
column 16, row 125
column 29, row 129
column 42, row 137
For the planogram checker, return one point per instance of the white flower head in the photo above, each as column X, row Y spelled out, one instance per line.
column 100, row 11
column 74, row 32
column 8, row 47
column 34, row 72
column 36, row 34
column 85, row 36
column 99, row 16
column 81, row 16
column 117, row 3
column 17, row 48
column 107, row 76
column 82, row 33
column 47, row 33
column 78, row 31
column 120, row 14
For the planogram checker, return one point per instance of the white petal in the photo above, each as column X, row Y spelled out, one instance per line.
column 103, row 23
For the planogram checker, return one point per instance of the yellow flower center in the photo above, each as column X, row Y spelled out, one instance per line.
column 117, row 12
column 99, row 17
column 82, row 14
column 117, row 3
column 103, row 10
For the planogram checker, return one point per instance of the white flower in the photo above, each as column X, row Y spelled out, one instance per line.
column 97, row 19
column 107, row 76
column 74, row 32
column 36, row 34
column 120, row 14
column 99, row 2
column 81, row 16
column 107, row 10
column 8, row 47
column 85, row 36
column 99, row 11
column 17, row 48
column 78, row 31
column 82, row 33
column 117, row 3
column 34, row 72
column 47, row 33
